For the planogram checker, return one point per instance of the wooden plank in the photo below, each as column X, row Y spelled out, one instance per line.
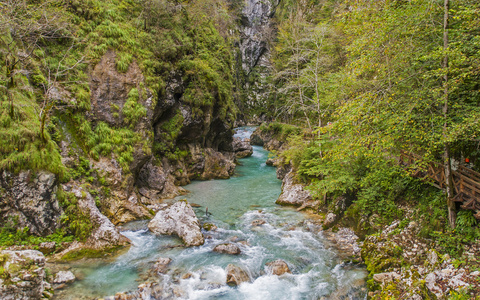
column 458, row 198
column 472, row 181
column 471, row 172
column 470, row 204
column 468, row 183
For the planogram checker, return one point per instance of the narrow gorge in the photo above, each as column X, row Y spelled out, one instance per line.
column 239, row 149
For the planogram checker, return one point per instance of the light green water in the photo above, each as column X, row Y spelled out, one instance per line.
column 233, row 204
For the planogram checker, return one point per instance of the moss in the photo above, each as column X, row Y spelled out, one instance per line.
column 90, row 253
column 132, row 110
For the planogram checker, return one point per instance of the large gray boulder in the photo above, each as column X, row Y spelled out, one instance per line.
column 23, row 275
column 178, row 219
column 31, row 199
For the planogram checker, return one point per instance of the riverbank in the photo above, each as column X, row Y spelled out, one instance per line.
column 402, row 258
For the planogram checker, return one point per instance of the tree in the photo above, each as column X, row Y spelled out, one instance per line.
column 447, row 162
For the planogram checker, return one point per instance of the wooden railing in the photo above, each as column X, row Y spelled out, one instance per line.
column 466, row 181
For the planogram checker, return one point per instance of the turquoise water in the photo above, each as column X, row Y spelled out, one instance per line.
column 232, row 206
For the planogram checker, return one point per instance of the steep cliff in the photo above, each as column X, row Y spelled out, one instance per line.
column 121, row 105
column 257, row 32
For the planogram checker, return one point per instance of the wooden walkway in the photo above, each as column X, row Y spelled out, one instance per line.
column 466, row 182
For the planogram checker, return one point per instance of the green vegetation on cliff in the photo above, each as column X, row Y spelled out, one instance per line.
column 55, row 54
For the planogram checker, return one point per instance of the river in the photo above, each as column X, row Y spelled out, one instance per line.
column 199, row 273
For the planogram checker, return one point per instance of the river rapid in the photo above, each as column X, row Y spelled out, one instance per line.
column 199, row 273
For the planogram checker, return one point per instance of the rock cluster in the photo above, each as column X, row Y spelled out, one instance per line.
column 23, row 275
column 397, row 257
column 178, row 219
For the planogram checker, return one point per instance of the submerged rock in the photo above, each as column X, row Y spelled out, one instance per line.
column 227, row 248
column 179, row 219
column 209, row 226
column 236, row 275
column 23, row 275
column 258, row 222
column 161, row 266
column 278, row 267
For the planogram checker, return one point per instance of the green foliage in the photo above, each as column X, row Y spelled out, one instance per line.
column 88, row 253
column 11, row 234
column 132, row 110
column 281, row 131
column 21, row 146
column 77, row 221
column 465, row 219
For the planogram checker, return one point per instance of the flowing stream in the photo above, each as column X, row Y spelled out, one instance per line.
column 199, row 273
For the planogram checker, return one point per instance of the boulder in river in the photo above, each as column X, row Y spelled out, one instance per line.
column 236, row 275
column 227, row 248
column 64, row 277
column 179, row 219
column 242, row 148
column 278, row 267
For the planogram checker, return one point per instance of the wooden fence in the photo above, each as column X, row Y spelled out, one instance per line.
column 466, row 181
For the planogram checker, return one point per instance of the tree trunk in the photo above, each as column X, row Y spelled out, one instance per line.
column 452, row 213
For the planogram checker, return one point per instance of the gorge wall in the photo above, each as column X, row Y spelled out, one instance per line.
column 257, row 31
column 147, row 114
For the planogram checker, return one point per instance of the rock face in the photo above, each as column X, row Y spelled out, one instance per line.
column 294, row 193
column 23, row 276
column 111, row 89
column 179, row 219
column 236, row 275
column 330, row 219
column 227, row 248
column 278, row 267
column 266, row 140
column 31, row 199
column 105, row 234
column 256, row 32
